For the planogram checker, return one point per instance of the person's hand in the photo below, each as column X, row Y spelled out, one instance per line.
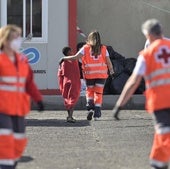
column 40, row 105
column 112, row 75
column 61, row 60
column 116, row 111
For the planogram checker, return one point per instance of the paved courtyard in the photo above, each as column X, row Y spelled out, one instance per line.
column 104, row 144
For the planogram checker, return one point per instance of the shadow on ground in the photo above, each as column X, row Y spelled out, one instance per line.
column 56, row 123
column 25, row 159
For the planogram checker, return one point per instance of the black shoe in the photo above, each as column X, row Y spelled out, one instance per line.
column 97, row 112
column 90, row 115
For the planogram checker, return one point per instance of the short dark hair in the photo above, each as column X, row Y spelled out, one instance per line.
column 66, row 50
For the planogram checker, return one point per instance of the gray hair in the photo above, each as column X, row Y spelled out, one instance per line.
column 153, row 27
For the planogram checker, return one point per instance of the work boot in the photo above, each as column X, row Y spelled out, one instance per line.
column 90, row 105
column 97, row 112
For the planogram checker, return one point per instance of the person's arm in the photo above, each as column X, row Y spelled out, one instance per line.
column 109, row 65
column 128, row 90
column 73, row 57
column 77, row 56
column 130, row 86
column 33, row 91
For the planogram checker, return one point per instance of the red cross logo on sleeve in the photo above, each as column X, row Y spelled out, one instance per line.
column 163, row 55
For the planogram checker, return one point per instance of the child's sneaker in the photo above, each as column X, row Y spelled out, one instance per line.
column 96, row 118
column 90, row 115
column 71, row 120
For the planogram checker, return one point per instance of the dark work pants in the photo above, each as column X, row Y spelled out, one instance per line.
column 14, row 123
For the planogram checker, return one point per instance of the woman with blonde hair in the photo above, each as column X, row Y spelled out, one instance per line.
column 16, row 87
column 95, row 65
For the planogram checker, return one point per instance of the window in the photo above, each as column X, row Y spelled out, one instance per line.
column 28, row 15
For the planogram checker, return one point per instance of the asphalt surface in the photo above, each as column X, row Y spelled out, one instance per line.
column 105, row 144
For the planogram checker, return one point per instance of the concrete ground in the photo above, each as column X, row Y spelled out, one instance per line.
column 105, row 144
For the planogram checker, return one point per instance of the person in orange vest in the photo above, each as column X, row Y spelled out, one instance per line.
column 16, row 87
column 95, row 65
column 154, row 65
column 69, row 83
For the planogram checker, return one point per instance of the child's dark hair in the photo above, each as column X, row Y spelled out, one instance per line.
column 80, row 45
column 66, row 50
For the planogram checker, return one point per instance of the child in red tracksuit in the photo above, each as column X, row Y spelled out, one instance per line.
column 69, row 82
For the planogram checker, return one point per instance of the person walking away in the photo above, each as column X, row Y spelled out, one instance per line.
column 69, row 82
column 16, row 87
column 154, row 65
column 95, row 65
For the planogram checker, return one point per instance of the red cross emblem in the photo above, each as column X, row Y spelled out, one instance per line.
column 163, row 55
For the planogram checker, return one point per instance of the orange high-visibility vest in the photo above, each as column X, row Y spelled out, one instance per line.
column 157, row 76
column 13, row 97
column 94, row 67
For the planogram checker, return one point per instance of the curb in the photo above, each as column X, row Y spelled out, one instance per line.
column 56, row 102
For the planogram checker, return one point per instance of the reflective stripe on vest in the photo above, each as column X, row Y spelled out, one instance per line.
column 7, row 162
column 157, row 73
column 98, row 105
column 5, row 132
column 90, row 86
column 11, row 79
column 99, row 85
column 12, row 88
column 19, row 136
column 162, row 130
column 158, row 163
column 156, row 83
column 90, row 99
column 8, row 79
column 96, row 71
column 95, row 65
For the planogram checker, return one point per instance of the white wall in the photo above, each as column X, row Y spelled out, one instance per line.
column 119, row 21
column 57, row 37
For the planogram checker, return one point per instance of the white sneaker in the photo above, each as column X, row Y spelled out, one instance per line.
column 96, row 119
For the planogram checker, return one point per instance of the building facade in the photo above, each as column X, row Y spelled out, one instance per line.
column 119, row 21
column 48, row 26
